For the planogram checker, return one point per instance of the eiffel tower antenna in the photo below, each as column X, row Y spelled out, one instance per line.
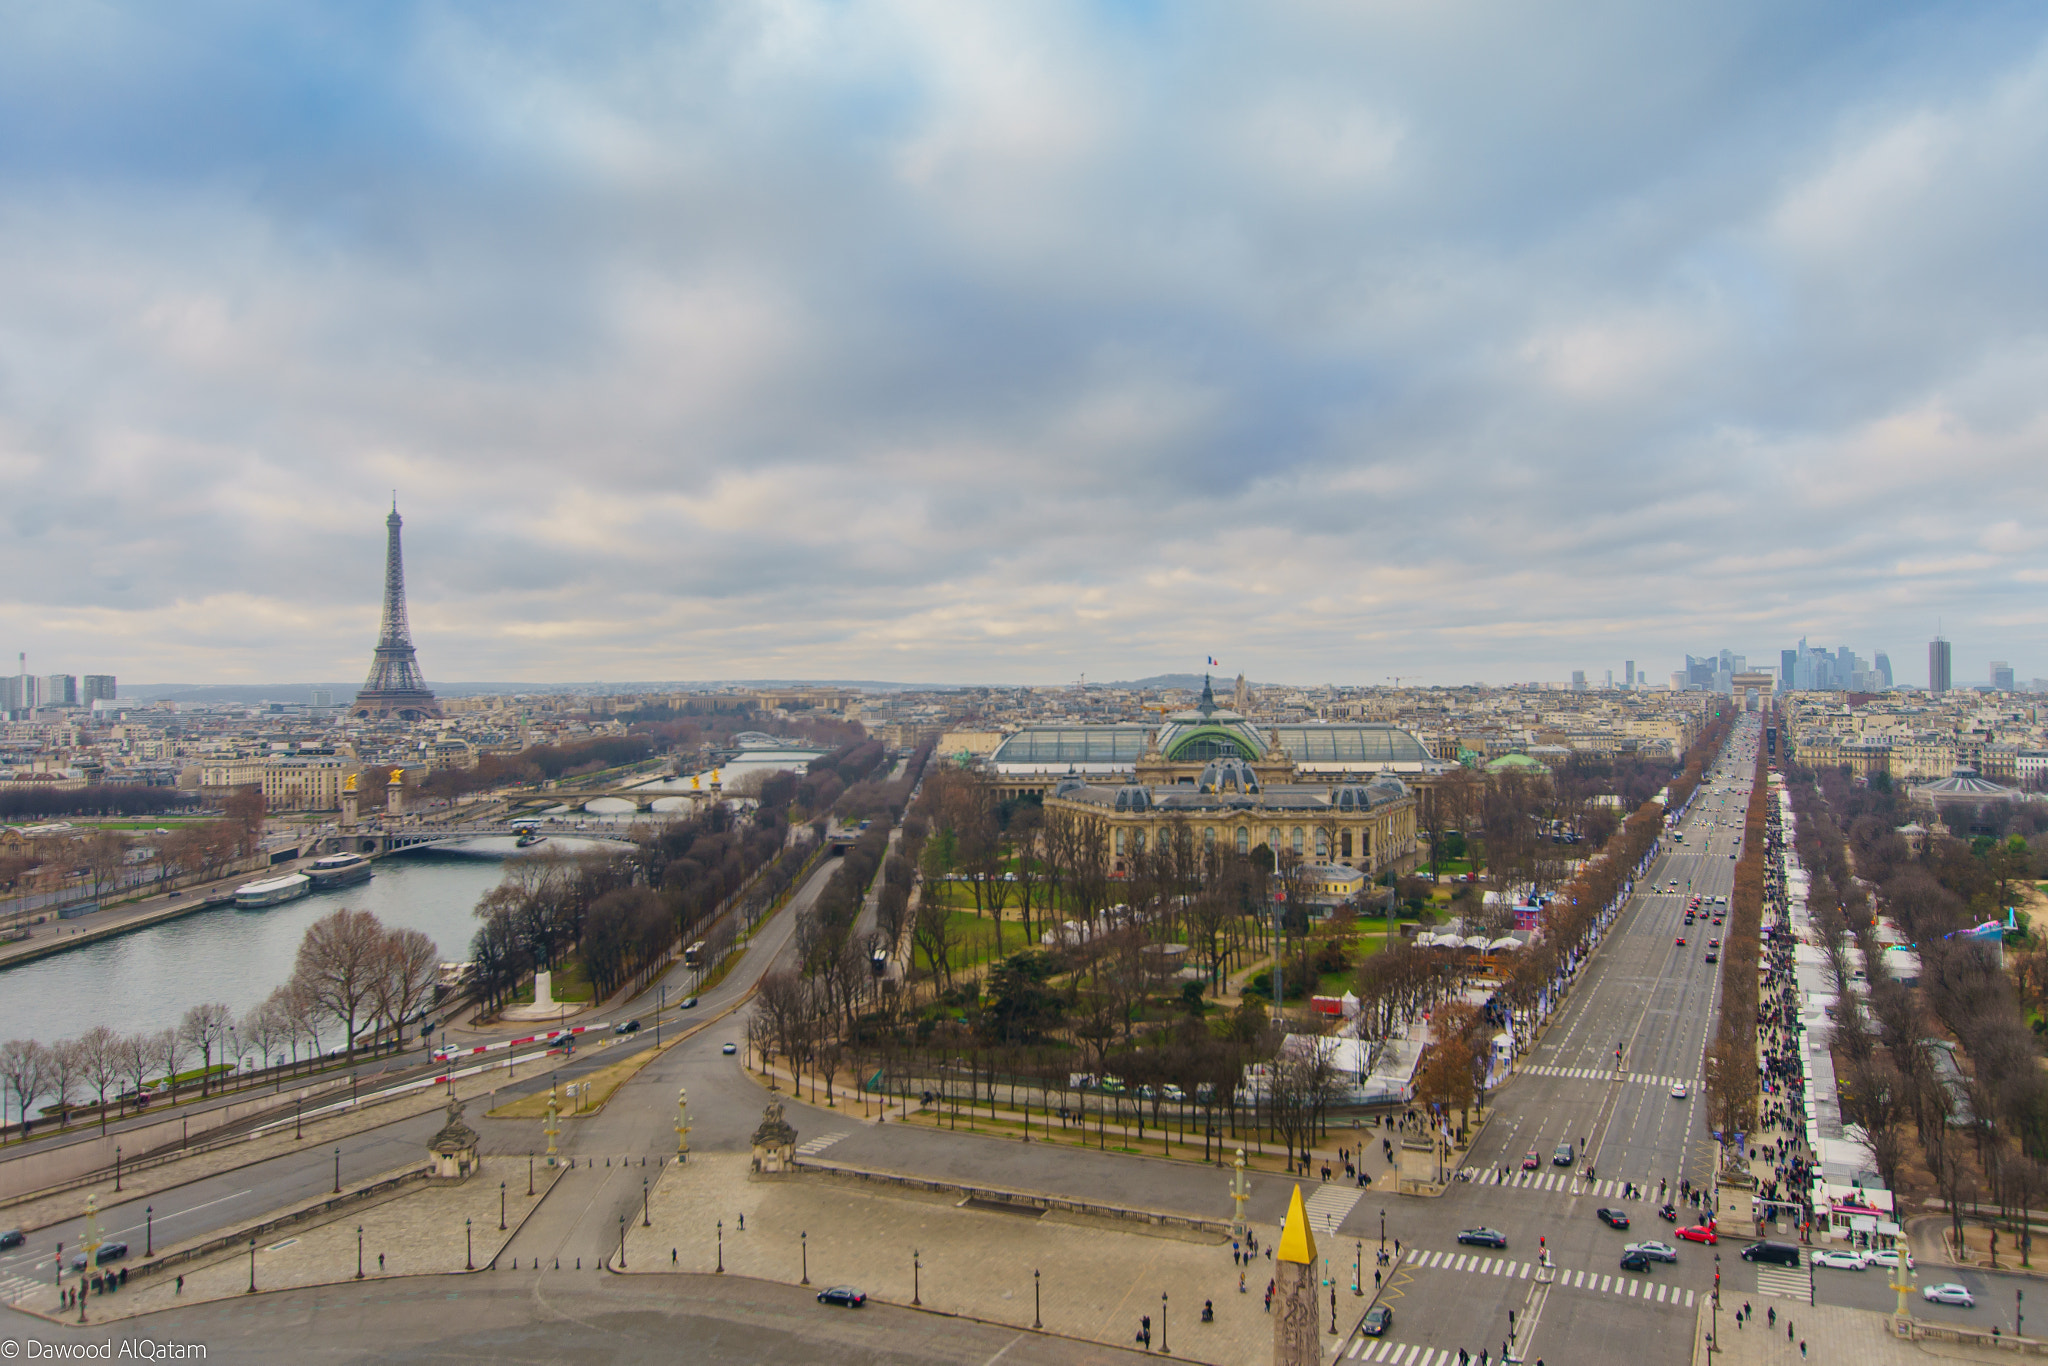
column 395, row 689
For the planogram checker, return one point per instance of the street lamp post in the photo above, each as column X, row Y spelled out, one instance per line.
column 1358, row 1267
column 1383, row 1233
column 622, row 1242
column 721, row 1247
column 359, row 1251
column 468, row 1246
column 529, row 1173
column 117, row 1166
column 804, row 1241
column 337, row 1171
column 914, row 1267
column 501, row 1207
column 252, row 1266
column 148, row 1230
column 1035, row 1322
column 645, row 1220
column 1164, row 1350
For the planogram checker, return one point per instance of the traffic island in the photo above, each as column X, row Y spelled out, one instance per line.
column 1091, row 1275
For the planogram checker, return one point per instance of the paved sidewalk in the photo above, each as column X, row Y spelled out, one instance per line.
column 1096, row 1279
column 1834, row 1336
column 420, row 1231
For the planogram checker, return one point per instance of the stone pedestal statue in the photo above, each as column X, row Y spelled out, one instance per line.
column 774, row 1143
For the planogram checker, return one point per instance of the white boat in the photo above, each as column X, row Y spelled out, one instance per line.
column 273, row 891
column 339, row 870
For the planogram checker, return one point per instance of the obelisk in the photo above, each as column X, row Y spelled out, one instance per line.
column 1297, row 1339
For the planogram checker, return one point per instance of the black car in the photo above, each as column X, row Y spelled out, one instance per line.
column 842, row 1294
column 109, row 1252
column 1483, row 1237
column 1613, row 1218
column 1634, row 1261
column 13, row 1237
column 689, row 1003
column 628, row 1027
column 1378, row 1320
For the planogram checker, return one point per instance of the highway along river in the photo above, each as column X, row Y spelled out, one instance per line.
column 148, row 979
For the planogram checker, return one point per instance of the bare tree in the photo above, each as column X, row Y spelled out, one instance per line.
column 25, row 1066
column 138, row 1055
column 99, row 1063
column 66, row 1066
column 266, row 1026
column 339, row 963
column 205, row 1028
column 408, row 964
column 169, row 1048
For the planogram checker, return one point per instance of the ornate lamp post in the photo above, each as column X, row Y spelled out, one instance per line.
column 148, row 1230
column 468, row 1246
column 1164, row 1350
column 252, row 1267
column 359, row 1251
column 804, row 1241
column 1240, row 1191
column 721, row 1247
column 1035, row 1322
column 501, row 1207
column 645, row 1220
column 914, row 1267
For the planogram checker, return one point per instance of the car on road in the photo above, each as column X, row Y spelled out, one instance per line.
column 1483, row 1237
column 730, row 1049
column 1842, row 1259
column 1713, row 956
column 1948, row 1292
column 13, row 1237
column 1562, row 1156
column 1378, row 1320
column 689, row 1003
column 1886, row 1257
column 1697, row 1233
column 626, row 1027
column 1713, row 943
column 1634, row 1261
column 842, row 1294
column 109, row 1252
column 1613, row 1218
column 1681, row 941
column 1530, row 1162
column 1655, row 1251
column 1678, row 1090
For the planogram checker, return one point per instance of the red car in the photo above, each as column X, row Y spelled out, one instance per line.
column 1529, row 1161
column 1681, row 941
column 1698, row 1233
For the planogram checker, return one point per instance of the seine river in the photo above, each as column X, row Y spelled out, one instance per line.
column 147, row 979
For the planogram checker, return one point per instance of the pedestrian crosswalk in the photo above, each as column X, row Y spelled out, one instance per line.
column 812, row 1147
column 15, row 1289
column 1329, row 1205
column 1611, row 1283
column 1543, row 1069
column 1571, row 1181
column 1786, row 1282
column 1468, row 1261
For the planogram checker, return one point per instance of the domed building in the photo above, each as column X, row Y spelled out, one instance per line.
column 1334, row 794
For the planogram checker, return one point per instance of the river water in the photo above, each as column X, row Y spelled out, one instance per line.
column 148, row 979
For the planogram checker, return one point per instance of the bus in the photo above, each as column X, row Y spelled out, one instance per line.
column 693, row 956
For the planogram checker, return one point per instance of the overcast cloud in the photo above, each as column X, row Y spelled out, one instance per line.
column 936, row 341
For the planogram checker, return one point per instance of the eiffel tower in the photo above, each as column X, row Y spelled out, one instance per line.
column 395, row 689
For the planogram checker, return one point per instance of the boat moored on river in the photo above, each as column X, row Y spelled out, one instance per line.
column 274, row 891
column 339, row 870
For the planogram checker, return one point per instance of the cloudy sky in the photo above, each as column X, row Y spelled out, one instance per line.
column 962, row 342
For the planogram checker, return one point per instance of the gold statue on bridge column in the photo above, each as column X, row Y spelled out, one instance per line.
column 394, row 794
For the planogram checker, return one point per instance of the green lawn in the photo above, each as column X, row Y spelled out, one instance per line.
column 974, row 940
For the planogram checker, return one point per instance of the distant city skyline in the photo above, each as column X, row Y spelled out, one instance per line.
column 1011, row 344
